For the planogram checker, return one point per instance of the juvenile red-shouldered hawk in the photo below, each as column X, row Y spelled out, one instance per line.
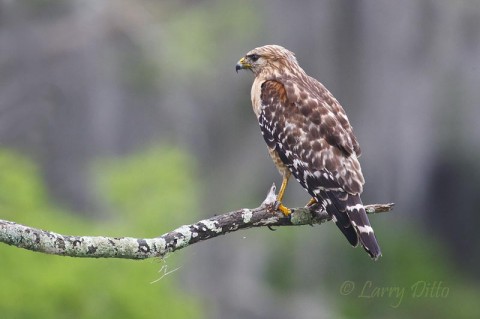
column 308, row 135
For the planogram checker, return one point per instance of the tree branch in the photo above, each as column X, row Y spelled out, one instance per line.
column 138, row 248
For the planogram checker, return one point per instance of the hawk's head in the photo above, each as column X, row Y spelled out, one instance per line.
column 266, row 58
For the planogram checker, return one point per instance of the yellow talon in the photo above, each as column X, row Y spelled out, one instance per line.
column 311, row 202
column 285, row 210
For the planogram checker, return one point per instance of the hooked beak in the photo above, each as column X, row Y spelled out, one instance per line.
column 242, row 64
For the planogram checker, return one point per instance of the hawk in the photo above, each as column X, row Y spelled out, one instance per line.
column 309, row 136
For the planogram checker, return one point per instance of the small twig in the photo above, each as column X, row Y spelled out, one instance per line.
column 138, row 248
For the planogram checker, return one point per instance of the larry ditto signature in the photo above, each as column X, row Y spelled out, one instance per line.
column 419, row 289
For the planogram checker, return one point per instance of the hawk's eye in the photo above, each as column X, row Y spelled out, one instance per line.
column 254, row 57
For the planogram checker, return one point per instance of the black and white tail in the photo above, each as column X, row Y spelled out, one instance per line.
column 350, row 217
column 361, row 224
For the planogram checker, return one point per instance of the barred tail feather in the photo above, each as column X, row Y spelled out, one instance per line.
column 345, row 226
column 349, row 215
column 361, row 224
column 340, row 218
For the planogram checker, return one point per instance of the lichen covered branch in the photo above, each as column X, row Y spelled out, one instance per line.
column 139, row 248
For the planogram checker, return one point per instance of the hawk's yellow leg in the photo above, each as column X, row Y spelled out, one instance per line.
column 285, row 210
column 311, row 202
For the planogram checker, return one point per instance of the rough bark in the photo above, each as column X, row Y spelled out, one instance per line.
column 266, row 214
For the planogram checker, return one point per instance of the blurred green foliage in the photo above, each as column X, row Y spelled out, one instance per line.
column 150, row 192
column 194, row 40
column 157, row 189
column 21, row 189
column 414, row 278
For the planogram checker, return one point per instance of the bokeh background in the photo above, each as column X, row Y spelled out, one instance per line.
column 126, row 118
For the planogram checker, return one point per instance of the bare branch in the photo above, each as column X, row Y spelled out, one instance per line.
column 138, row 248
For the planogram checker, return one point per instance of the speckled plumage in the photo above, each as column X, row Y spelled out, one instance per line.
column 308, row 133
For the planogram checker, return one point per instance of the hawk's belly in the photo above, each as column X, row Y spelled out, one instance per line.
column 282, row 169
